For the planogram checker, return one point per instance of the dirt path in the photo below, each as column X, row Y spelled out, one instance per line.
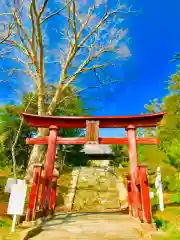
column 95, row 226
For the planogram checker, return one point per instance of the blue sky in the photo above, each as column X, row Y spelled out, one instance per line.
column 155, row 37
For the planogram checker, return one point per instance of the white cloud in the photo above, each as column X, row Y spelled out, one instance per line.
column 122, row 33
column 123, row 51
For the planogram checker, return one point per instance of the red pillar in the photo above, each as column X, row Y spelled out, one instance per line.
column 129, row 188
column 52, row 201
column 145, row 194
column 51, row 152
column 132, row 148
column 33, row 196
column 49, row 165
column 43, row 190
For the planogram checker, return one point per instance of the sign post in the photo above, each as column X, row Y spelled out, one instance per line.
column 158, row 185
column 16, row 202
column 13, row 223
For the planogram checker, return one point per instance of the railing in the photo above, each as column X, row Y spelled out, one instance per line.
column 42, row 195
column 142, row 208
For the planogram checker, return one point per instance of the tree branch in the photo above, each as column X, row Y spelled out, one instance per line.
column 104, row 18
column 55, row 13
column 90, row 11
column 86, row 88
column 10, row 27
column 33, row 40
column 21, row 38
column 18, row 22
column 41, row 58
column 43, row 8
column 74, row 23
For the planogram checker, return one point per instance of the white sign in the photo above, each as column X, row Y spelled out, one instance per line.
column 9, row 184
column 158, row 185
column 17, row 199
column 21, row 182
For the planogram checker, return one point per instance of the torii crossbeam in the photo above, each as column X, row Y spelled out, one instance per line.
column 92, row 125
column 84, row 140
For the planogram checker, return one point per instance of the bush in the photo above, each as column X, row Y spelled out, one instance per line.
column 161, row 223
column 171, row 183
column 154, row 200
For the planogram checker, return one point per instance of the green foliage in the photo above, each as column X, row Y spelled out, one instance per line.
column 168, row 221
column 4, row 223
column 167, row 153
column 161, row 223
column 10, row 121
column 73, row 155
column 169, row 132
column 120, row 155
column 154, row 106
column 175, row 198
column 9, row 125
column 151, row 155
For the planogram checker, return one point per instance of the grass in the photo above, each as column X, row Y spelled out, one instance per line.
column 5, row 226
column 168, row 220
column 4, row 223
column 5, row 220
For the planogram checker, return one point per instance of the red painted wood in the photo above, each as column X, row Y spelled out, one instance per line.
column 40, row 140
column 140, row 208
column 33, row 196
column 145, row 194
column 46, row 197
column 52, row 202
column 139, row 140
column 83, row 140
column 37, row 180
column 130, row 200
column 49, row 167
column 145, row 120
column 51, row 153
column 28, row 215
column 43, row 190
column 60, row 140
column 132, row 149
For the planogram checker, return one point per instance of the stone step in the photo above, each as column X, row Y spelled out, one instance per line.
column 96, row 189
column 94, row 226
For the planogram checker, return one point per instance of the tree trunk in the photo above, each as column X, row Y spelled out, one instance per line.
column 38, row 151
column 37, row 155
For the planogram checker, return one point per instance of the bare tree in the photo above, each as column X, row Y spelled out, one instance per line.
column 89, row 37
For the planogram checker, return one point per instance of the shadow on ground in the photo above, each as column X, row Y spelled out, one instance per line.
column 63, row 218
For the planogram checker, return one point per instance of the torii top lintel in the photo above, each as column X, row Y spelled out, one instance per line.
column 143, row 120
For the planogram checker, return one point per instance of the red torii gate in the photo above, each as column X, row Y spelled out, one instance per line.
column 138, row 189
